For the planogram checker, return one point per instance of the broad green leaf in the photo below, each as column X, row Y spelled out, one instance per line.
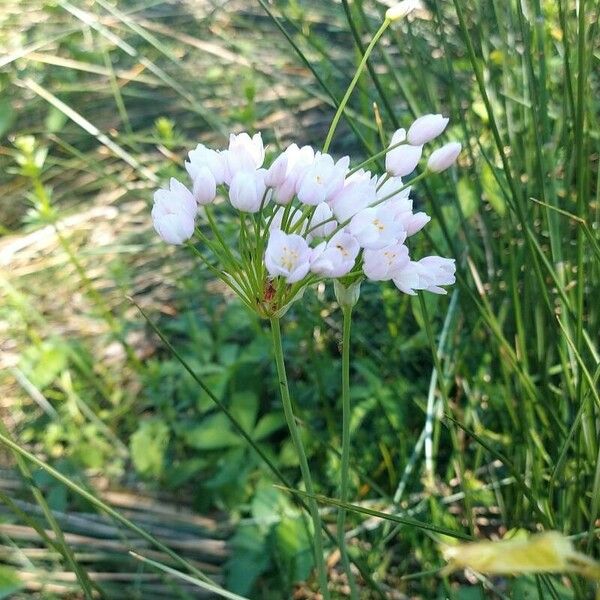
column 148, row 445
column 212, row 434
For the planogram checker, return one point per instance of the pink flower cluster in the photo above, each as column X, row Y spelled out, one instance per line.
column 319, row 218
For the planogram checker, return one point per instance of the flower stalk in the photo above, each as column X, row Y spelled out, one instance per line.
column 299, row 446
column 345, row 464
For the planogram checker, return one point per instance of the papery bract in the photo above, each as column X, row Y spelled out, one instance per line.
column 426, row 128
column 287, row 255
column 322, row 179
column 444, row 157
column 173, row 213
column 376, row 227
column 383, row 264
column 247, row 190
column 336, row 257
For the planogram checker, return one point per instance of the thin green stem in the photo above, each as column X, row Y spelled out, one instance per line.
column 359, row 70
column 345, row 466
column 304, row 469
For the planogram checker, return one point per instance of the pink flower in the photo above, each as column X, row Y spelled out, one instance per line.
column 426, row 128
column 322, row 179
column 376, row 227
column 245, row 153
column 173, row 213
column 336, row 257
column 444, row 157
column 402, row 160
column 203, row 157
column 287, row 255
column 358, row 192
column 247, row 190
column 282, row 176
column 384, row 263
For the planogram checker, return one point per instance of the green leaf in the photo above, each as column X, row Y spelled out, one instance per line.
column 250, row 558
column 9, row 582
column 244, row 407
column 148, row 445
column 212, row 434
column 294, row 548
column 267, row 425
column 492, row 191
column 467, row 197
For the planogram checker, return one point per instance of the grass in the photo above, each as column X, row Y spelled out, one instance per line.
column 477, row 414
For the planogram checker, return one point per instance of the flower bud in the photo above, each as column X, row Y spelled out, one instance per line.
column 173, row 213
column 205, row 186
column 444, row 157
column 247, row 190
column 403, row 160
column 426, row 128
column 346, row 296
column 400, row 10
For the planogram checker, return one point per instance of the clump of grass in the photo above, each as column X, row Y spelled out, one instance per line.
column 486, row 422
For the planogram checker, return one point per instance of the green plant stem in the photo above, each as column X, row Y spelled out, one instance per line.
column 359, row 70
column 345, row 465
column 304, row 469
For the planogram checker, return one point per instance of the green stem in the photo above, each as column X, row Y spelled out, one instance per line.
column 353, row 83
column 304, row 469
column 345, row 466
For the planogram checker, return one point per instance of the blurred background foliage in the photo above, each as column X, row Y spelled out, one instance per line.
column 99, row 103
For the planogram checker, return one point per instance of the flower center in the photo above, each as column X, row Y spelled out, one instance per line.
column 342, row 250
column 289, row 258
column 378, row 224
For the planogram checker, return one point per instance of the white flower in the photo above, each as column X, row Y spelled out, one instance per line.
column 426, row 128
column 247, row 190
column 245, row 153
column 173, row 213
column 205, row 186
column 436, row 271
column 388, row 191
column 202, row 157
column 401, row 10
column 407, row 278
column 413, row 222
column 322, row 179
column 336, row 257
column 287, row 255
column 278, row 218
column 285, row 171
column 385, row 263
column 358, row 192
column 402, row 160
column 376, row 227
column 321, row 223
column 427, row 274
column 444, row 157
